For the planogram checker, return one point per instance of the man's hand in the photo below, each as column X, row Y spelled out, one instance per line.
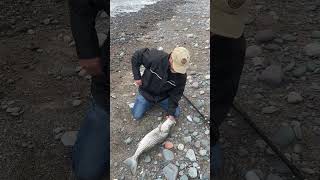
column 171, row 118
column 92, row 66
column 167, row 124
column 138, row 82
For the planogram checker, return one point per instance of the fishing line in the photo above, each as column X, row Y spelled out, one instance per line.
column 245, row 116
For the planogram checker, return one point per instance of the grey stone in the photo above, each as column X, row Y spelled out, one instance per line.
column 67, row 38
column 195, row 85
column 299, row 71
column 192, row 172
column 184, row 177
column 76, row 102
column 294, row 97
column 58, row 130
column 13, row 109
column 251, row 175
column 46, row 21
column 197, row 144
column 187, row 139
column 253, row 51
column 315, row 34
column 311, row 66
column 265, row 35
column 272, row 75
column 170, row 172
column 69, row 138
column 58, row 136
column 284, row 136
column 205, row 142
column 147, row 159
column 191, row 155
column 272, row 47
column 30, row 31
column 297, row 148
column 181, row 147
column 190, row 35
column 312, row 49
column 203, row 152
column 128, row 140
column 168, row 155
column 269, row 110
column 308, row 170
column 289, row 37
column 273, row 177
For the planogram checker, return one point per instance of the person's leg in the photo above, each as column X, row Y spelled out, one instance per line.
column 91, row 155
column 165, row 105
column 90, row 152
column 227, row 62
column 141, row 105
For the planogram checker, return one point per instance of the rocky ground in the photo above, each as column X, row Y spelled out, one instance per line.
column 280, row 91
column 43, row 92
column 186, row 23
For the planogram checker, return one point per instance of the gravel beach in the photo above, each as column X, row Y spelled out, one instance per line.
column 163, row 25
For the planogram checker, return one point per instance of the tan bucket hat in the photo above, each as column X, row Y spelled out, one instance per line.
column 227, row 17
column 180, row 59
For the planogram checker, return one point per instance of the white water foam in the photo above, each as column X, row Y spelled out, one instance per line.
column 128, row 6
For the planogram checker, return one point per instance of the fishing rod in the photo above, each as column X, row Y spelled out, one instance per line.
column 246, row 117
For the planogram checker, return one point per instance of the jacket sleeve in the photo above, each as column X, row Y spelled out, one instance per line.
column 140, row 57
column 174, row 98
column 82, row 19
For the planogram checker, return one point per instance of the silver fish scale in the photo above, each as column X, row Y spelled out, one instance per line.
column 150, row 140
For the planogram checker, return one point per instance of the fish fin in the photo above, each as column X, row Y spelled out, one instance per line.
column 132, row 163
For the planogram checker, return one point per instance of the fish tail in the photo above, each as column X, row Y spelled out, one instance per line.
column 132, row 163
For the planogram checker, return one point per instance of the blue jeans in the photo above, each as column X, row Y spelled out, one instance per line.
column 91, row 150
column 216, row 158
column 141, row 105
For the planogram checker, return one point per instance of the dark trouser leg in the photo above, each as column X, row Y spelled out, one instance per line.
column 91, row 155
column 227, row 60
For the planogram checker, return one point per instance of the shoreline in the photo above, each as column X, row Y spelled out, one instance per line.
column 127, row 27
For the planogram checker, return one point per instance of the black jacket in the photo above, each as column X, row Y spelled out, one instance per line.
column 158, row 82
column 82, row 18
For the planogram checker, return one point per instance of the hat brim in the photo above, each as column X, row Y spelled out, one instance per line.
column 227, row 24
column 179, row 69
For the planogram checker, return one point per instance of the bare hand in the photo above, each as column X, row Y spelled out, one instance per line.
column 171, row 118
column 138, row 82
column 92, row 66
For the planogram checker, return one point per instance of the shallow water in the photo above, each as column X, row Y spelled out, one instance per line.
column 128, row 6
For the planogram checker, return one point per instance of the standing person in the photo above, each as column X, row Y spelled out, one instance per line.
column 228, row 47
column 91, row 150
column 163, row 80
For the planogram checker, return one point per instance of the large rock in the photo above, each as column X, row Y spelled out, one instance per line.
column 69, row 138
column 192, row 172
column 168, row 155
column 272, row 75
column 253, row 51
column 265, row 35
column 191, row 155
column 170, row 172
column 312, row 49
column 294, row 98
column 284, row 136
column 251, row 175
